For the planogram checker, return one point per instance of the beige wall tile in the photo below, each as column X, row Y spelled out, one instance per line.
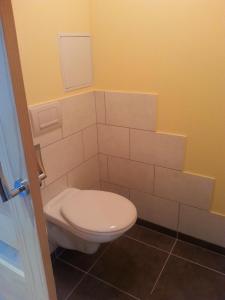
column 100, row 106
column 53, row 189
column 156, row 210
column 103, row 167
column 62, row 156
column 131, row 174
column 160, row 149
column 113, row 140
column 131, row 110
column 113, row 188
column 202, row 224
column 86, row 176
column 184, row 187
column 78, row 113
column 90, row 140
column 48, row 138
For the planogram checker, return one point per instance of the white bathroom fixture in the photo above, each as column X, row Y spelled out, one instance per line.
column 45, row 118
column 83, row 219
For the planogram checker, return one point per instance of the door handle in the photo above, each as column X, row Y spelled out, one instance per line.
column 6, row 193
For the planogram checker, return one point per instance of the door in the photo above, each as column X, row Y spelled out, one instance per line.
column 25, row 267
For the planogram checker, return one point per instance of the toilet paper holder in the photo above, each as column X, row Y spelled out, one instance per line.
column 40, row 166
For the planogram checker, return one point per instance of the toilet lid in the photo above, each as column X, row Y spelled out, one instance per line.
column 98, row 211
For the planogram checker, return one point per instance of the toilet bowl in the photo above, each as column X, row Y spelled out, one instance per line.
column 83, row 219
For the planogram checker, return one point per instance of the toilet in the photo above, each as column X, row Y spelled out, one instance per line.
column 84, row 219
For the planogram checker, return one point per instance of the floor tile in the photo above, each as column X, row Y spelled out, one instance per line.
column 92, row 289
column 200, row 255
column 82, row 260
column 182, row 280
column 130, row 266
column 66, row 278
column 151, row 237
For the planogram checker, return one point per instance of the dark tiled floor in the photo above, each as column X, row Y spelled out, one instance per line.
column 200, row 255
column 81, row 260
column 91, row 288
column 154, row 238
column 131, row 266
column 66, row 277
column 184, row 280
column 143, row 264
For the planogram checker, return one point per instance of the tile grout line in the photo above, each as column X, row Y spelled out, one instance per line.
column 98, row 151
column 83, row 144
column 107, row 163
column 198, row 264
column 141, row 129
column 76, row 286
column 67, row 136
column 71, row 265
column 70, row 170
column 105, row 108
column 113, row 286
column 86, row 273
column 100, row 256
column 146, row 244
column 203, row 248
column 166, row 261
column 142, row 162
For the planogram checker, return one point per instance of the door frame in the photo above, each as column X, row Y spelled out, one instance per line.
column 7, row 18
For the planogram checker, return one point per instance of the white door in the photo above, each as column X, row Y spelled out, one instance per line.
column 22, row 275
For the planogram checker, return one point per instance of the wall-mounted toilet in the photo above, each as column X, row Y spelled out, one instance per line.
column 83, row 219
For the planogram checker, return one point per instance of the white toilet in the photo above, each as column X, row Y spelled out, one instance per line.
column 83, row 219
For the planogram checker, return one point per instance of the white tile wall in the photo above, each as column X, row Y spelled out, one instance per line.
column 78, row 113
column 100, row 106
column 184, row 187
column 156, row 210
column 48, row 138
column 114, row 140
column 130, row 119
column 90, row 141
column 53, row 189
column 113, row 188
column 131, row 110
column 202, row 224
column 103, row 167
column 86, row 176
column 62, row 156
column 156, row 148
column 131, row 174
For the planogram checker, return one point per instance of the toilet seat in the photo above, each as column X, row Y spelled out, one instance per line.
column 98, row 212
column 92, row 215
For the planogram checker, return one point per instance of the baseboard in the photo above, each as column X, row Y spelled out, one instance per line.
column 201, row 243
column 156, row 227
column 182, row 236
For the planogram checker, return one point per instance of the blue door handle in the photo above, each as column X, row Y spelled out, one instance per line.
column 21, row 187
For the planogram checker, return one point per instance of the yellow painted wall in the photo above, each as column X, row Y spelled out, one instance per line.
column 177, row 49
column 38, row 23
column 173, row 47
